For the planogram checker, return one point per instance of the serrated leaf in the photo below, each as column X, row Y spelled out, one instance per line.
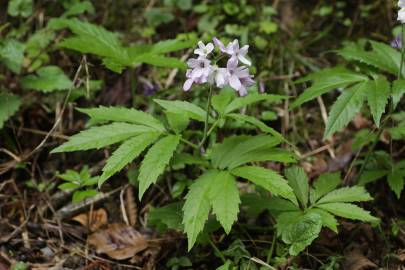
column 325, row 81
column 324, row 184
column 160, row 61
column 396, row 182
column 266, row 178
column 397, row 133
column 48, row 79
column 79, row 8
column 398, row 90
column 257, row 123
column 177, row 121
column 348, row 210
column 220, row 150
column 183, row 107
column 243, row 148
column 98, row 137
column 155, row 161
column 256, row 204
column 124, row 154
column 120, row 114
column 268, row 154
column 298, row 181
column 197, row 207
column 378, row 93
column 224, row 197
column 345, row 108
column 371, row 176
column 346, row 194
column 328, row 220
column 301, row 232
column 9, row 105
column 12, row 54
column 240, row 102
column 170, row 215
column 220, row 101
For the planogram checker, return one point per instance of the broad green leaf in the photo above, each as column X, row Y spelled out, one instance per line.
column 225, row 266
column 240, row 102
column 302, row 232
column 12, row 54
column 256, row 204
column 224, row 197
column 79, row 8
column 98, row 137
column 21, row 8
column 120, row 114
column 398, row 90
column 127, row 152
column 397, row 133
column 268, row 179
column 378, row 92
column 349, row 211
column 345, row 108
column 48, row 79
column 337, row 73
column 81, row 195
column 396, row 182
column 220, row 150
column 171, row 45
column 269, row 154
column 9, row 105
column 328, row 220
column 183, row 107
column 197, row 207
column 324, row 184
column 346, row 194
column 257, row 123
column 243, row 148
column 68, row 186
column 160, row 61
column 298, row 180
column 177, row 121
column 371, row 176
column 327, row 80
column 220, row 101
column 169, row 215
column 155, row 161
column 390, row 56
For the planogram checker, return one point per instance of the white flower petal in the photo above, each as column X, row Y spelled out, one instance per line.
column 219, row 43
column 187, row 84
column 244, row 50
column 242, row 91
column 209, row 47
column 244, row 60
column 234, row 82
column 201, row 44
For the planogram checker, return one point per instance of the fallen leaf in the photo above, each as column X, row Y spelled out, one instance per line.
column 355, row 260
column 97, row 220
column 119, row 241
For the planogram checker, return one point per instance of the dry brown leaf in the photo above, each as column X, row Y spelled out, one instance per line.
column 355, row 260
column 130, row 206
column 119, row 241
column 97, row 220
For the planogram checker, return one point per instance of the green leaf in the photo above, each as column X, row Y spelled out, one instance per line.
column 269, row 154
column 120, row 114
column 301, row 232
column 398, row 90
column 98, row 137
column 177, row 121
column 240, row 102
column 348, row 210
column 345, row 108
column 240, row 150
column 224, row 197
column 397, row 133
column 170, row 215
column 220, row 101
column 21, row 8
column 220, row 150
column 266, row 178
column 197, row 207
column 256, row 204
column 48, row 79
column 183, row 107
column 371, row 176
column 328, row 220
column 171, row 45
column 181, row 159
column 298, row 180
column 9, row 105
column 325, row 81
column 67, row 186
column 81, row 195
column 324, row 184
column 127, row 152
column 257, row 123
column 79, row 8
column 12, row 54
column 160, row 61
column 225, row 266
column 346, row 194
column 155, row 161
column 396, row 182
column 378, row 93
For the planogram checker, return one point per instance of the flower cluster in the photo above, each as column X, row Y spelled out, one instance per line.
column 401, row 12
column 202, row 70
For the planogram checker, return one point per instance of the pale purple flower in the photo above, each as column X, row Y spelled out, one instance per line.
column 189, row 82
column 397, row 42
column 234, row 51
column 239, row 77
column 401, row 3
column 219, row 76
column 204, row 50
column 199, row 72
column 401, row 15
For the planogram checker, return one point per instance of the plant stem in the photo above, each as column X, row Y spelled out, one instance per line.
column 208, row 110
column 390, row 112
column 189, row 143
column 217, row 251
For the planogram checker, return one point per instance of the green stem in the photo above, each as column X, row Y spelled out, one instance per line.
column 217, row 251
column 213, row 127
column 208, row 110
column 189, row 143
column 390, row 112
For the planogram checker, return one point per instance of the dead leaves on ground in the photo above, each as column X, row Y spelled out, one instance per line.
column 118, row 241
column 93, row 220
